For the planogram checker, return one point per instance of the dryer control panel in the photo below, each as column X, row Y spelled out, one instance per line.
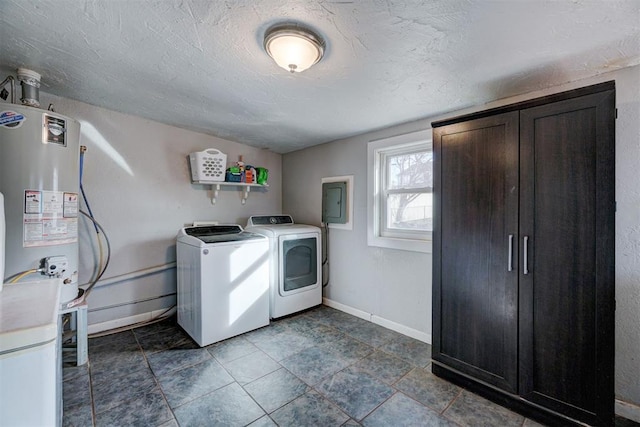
column 270, row 220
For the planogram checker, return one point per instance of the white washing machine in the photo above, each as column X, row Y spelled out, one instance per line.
column 296, row 264
column 223, row 282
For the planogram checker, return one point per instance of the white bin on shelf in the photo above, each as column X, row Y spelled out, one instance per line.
column 208, row 166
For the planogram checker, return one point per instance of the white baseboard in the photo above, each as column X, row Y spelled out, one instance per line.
column 347, row 309
column 397, row 327
column 628, row 410
column 128, row 321
column 404, row 330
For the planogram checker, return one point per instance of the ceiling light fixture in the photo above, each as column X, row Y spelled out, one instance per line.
column 293, row 47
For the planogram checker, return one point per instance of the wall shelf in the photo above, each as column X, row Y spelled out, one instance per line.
column 246, row 188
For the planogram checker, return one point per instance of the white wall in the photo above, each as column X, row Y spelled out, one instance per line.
column 137, row 179
column 396, row 285
column 392, row 284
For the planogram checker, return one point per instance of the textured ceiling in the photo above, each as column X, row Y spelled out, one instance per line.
column 200, row 65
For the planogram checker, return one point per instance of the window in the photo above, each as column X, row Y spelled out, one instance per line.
column 400, row 192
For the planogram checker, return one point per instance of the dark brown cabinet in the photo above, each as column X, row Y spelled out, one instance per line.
column 523, row 271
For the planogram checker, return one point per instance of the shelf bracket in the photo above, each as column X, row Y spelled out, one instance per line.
column 245, row 194
column 214, row 193
column 246, row 189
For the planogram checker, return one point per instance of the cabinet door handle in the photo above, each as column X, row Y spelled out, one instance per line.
column 510, row 262
column 526, row 255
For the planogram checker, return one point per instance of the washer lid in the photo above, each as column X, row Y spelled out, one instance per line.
column 29, row 314
column 220, row 233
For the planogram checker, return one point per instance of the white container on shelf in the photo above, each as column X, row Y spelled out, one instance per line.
column 208, row 166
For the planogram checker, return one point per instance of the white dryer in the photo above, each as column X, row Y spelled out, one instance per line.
column 223, row 282
column 296, row 264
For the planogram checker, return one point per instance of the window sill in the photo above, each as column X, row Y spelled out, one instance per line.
column 425, row 246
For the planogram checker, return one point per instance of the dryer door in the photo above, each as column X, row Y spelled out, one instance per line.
column 300, row 265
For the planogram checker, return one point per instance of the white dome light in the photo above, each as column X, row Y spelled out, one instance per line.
column 294, row 48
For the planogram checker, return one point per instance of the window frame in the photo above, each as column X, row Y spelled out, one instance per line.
column 377, row 232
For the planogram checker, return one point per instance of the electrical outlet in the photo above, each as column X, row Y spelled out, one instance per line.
column 55, row 265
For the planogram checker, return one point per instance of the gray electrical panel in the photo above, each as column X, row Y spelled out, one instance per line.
column 334, row 202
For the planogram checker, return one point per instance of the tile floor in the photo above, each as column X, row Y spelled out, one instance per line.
column 319, row 368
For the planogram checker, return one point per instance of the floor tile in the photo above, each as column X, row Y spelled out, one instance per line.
column 109, row 394
column 330, row 316
column 149, row 409
column 318, row 312
column 324, row 335
column 531, row 423
column 385, row 366
column 268, row 331
column 300, row 323
column 228, row 406
column 350, row 349
column 310, row 409
column 407, row 348
column 169, row 338
column 313, row 364
column 70, row 371
column 263, row 422
column 165, row 361
column 76, row 393
column 107, row 354
column 171, row 423
column 400, row 411
column 114, row 363
column 154, row 328
column 79, row 417
column 343, row 321
column 119, row 339
column 251, row 367
column 283, row 344
column 276, row 389
column 351, row 423
column 356, row 392
column 118, row 369
column 231, row 349
column 471, row 409
column 187, row 384
column 370, row 333
column 428, row 389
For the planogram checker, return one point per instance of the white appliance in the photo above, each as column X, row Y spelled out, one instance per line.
column 30, row 354
column 296, row 264
column 223, row 282
column 39, row 170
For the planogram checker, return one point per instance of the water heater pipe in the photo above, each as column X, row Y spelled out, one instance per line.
column 30, row 81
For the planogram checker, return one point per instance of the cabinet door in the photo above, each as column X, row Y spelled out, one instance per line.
column 567, row 295
column 475, row 211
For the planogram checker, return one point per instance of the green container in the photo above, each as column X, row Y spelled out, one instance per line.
column 262, row 175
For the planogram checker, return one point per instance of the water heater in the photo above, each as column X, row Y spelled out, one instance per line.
column 39, row 178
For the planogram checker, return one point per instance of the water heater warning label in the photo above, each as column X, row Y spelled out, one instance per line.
column 50, row 218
